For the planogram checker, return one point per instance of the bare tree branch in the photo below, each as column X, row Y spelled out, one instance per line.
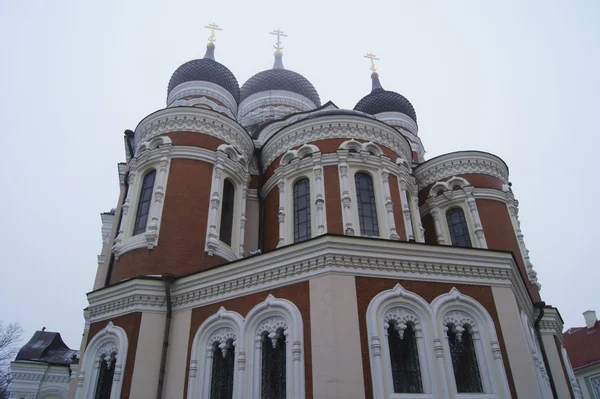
column 10, row 336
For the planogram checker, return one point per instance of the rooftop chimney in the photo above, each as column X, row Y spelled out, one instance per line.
column 590, row 318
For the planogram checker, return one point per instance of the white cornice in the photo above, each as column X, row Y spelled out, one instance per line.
column 461, row 162
column 203, row 88
column 332, row 127
column 191, row 119
column 301, row 262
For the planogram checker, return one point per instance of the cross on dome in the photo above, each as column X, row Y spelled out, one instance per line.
column 373, row 58
column 213, row 27
column 279, row 34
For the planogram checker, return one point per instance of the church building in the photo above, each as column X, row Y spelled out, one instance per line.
column 266, row 244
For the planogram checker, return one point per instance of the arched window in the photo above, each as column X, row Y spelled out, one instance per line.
column 273, row 384
column 404, row 359
column 225, row 231
column 365, row 198
column 221, row 382
column 464, row 359
column 105, row 376
column 302, row 227
column 457, row 225
column 143, row 209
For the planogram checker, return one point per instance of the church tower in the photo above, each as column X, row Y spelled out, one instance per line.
column 265, row 245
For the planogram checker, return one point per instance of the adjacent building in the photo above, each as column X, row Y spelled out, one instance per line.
column 583, row 347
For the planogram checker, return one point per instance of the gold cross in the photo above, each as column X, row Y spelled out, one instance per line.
column 372, row 57
column 278, row 33
column 213, row 27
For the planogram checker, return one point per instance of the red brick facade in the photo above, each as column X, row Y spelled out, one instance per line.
column 335, row 224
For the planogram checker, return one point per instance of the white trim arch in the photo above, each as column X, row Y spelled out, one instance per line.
column 357, row 146
column 110, row 340
column 462, row 310
column 270, row 315
column 219, row 327
column 402, row 306
column 303, row 151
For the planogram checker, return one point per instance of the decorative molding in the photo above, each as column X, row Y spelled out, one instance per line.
column 357, row 146
column 271, row 105
column 225, row 101
column 458, row 163
column 304, row 151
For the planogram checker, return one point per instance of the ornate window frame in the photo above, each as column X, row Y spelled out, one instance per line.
column 108, row 340
column 459, row 309
column 402, row 306
column 269, row 316
column 230, row 165
column 153, row 154
column 219, row 327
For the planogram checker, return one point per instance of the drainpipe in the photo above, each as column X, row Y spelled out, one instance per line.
column 168, row 279
column 536, row 326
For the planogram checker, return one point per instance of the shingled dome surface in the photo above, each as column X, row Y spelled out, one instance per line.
column 380, row 100
column 280, row 79
column 207, row 70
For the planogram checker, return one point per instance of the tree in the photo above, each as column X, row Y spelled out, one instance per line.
column 10, row 336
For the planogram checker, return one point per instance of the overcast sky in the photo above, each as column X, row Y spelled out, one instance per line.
column 515, row 78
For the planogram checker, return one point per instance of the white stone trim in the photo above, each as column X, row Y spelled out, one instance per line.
column 268, row 316
column 542, row 379
column 111, row 339
column 393, row 304
column 571, row 374
column 271, row 105
column 203, row 88
column 221, row 326
column 192, row 119
column 462, row 309
column 458, row 163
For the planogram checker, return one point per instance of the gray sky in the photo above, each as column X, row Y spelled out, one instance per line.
column 515, row 78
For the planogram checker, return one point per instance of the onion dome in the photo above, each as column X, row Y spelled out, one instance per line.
column 380, row 100
column 206, row 70
column 280, row 78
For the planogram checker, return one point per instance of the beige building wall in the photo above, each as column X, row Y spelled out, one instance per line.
column 147, row 356
column 558, row 375
column 519, row 354
column 335, row 339
column 177, row 355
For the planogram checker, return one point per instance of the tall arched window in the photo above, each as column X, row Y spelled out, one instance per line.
column 105, row 376
column 273, row 384
column 221, row 382
column 143, row 209
column 367, row 210
column 225, row 231
column 464, row 359
column 302, row 226
column 404, row 359
column 457, row 225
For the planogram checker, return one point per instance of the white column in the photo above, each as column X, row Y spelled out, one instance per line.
column 346, row 199
column 125, row 208
column 408, row 225
column 319, row 197
column 513, row 210
column 281, row 213
column 439, row 232
column 389, row 205
column 212, row 237
column 476, row 221
column 415, row 208
column 242, row 233
column 151, row 233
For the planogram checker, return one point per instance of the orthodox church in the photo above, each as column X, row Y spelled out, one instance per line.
column 268, row 245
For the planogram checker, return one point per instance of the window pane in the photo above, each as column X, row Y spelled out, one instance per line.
column 105, row 378
column 143, row 209
column 273, row 366
column 457, row 225
column 365, row 199
column 404, row 357
column 464, row 361
column 302, row 226
column 226, row 229
column 221, row 382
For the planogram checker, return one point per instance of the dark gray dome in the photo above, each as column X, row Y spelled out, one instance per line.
column 208, row 70
column 380, row 100
column 280, row 79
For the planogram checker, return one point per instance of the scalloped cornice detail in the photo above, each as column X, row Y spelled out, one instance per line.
column 329, row 128
column 195, row 120
column 461, row 162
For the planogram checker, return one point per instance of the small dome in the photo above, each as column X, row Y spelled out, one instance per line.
column 380, row 100
column 208, row 70
column 280, row 79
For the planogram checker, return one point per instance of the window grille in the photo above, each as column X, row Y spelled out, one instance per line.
column 367, row 210
column 464, row 360
column 105, row 377
column 143, row 209
column 302, row 226
column 273, row 384
column 457, row 225
column 404, row 357
column 221, row 382
column 225, row 231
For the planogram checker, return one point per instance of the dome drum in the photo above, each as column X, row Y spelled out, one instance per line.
column 270, row 105
column 203, row 94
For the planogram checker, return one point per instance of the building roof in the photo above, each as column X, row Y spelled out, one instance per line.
column 380, row 100
column 583, row 345
column 47, row 347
